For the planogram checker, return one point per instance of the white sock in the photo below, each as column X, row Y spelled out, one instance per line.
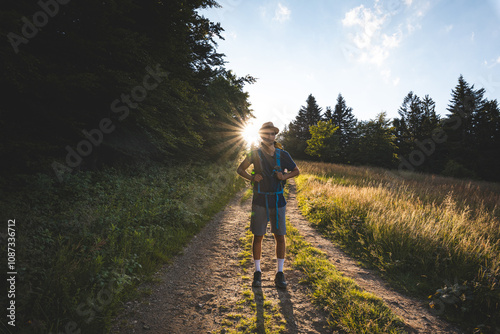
column 257, row 265
column 281, row 263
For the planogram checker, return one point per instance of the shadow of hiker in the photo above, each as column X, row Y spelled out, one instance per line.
column 286, row 308
column 259, row 302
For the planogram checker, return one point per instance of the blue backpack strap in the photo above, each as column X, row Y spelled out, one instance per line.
column 278, row 163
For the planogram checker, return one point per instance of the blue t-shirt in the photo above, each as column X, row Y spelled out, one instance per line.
column 270, row 183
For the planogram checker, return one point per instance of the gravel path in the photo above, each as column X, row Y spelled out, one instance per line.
column 203, row 284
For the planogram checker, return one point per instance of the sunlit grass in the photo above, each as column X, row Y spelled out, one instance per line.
column 422, row 232
column 350, row 309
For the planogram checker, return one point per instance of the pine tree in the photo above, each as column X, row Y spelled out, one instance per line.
column 345, row 121
column 375, row 144
column 461, row 127
column 298, row 131
column 308, row 115
column 487, row 139
column 415, row 125
column 328, row 115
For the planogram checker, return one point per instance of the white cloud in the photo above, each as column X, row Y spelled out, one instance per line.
column 392, row 41
column 377, row 55
column 448, row 28
column 473, row 35
column 367, row 22
column 373, row 45
column 491, row 63
column 373, row 33
column 423, row 8
column 387, row 76
column 229, row 35
column 282, row 13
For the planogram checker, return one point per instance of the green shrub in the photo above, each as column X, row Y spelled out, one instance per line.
column 83, row 244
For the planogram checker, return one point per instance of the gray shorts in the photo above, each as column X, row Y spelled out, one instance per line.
column 258, row 222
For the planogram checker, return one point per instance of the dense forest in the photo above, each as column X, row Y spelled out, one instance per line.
column 465, row 143
column 109, row 111
column 95, row 83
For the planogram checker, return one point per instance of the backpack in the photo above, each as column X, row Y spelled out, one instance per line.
column 280, row 187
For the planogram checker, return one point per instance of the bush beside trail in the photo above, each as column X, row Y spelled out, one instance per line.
column 84, row 244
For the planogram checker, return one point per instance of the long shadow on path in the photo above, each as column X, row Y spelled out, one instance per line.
column 286, row 309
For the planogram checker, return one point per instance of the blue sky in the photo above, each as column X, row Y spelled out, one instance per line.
column 372, row 52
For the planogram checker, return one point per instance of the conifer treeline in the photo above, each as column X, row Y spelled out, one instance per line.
column 94, row 82
column 464, row 143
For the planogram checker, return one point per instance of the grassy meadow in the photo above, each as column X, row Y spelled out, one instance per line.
column 430, row 236
column 84, row 244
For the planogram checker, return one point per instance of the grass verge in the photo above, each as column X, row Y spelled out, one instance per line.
column 430, row 236
column 85, row 243
column 350, row 309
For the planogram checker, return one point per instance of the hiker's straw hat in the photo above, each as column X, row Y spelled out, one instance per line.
column 269, row 125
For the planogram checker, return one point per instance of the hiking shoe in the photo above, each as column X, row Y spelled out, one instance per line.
column 257, row 279
column 279, row 280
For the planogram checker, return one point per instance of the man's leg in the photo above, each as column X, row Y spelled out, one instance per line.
column 280, row 246
column 280, row 255
column 279, row 232
column 257, row 252
column 257, row 248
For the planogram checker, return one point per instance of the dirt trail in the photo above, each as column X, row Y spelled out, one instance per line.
column 204, row 284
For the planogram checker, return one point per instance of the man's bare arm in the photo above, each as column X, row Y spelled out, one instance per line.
column 242, row 171
column 293, row 173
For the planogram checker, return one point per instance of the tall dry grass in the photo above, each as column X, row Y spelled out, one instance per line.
column 429, row 188
column 423, row 232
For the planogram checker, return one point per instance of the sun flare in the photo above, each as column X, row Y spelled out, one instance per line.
column 250, row 133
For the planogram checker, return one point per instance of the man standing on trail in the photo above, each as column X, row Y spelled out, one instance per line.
column 268, row 204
